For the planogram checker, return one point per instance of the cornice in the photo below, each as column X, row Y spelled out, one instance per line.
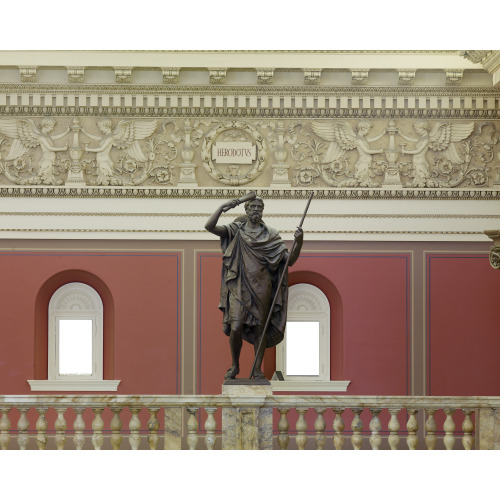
column 212, row 90
column 427, row 194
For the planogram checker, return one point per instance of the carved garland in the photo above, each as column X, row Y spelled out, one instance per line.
column 234, row 130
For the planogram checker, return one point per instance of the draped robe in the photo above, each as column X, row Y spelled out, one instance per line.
column 251, row 267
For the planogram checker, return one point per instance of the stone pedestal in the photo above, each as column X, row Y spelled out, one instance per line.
column 489, row 430
column 187, row 178
column 246, row 425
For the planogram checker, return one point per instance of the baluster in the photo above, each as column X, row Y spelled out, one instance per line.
column 210, row 426
column 79, row 426
column 468, row 428
column 60, row 426
column 97, row 427
column 375, row 427
column 41, row 427
column 412, row 428
column 319, row 427
column 283, row 426
column 153, row 426
column 23, row 425
column 301, row 427
column 135, row 426
column 192, row 426
column 449, row 429
column 357, row 427
column 394, row 429
column 4, row 428
column 116, row 427
column 338, row 427
column 430, row 430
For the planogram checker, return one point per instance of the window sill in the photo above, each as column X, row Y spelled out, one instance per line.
column 310, row 385
column 74, row 385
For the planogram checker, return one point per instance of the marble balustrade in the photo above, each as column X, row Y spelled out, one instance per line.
column 299, row 422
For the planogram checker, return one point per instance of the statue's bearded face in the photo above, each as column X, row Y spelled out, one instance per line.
column 254, row 210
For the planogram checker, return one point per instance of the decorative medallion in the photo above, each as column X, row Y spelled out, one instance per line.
column 234, row 153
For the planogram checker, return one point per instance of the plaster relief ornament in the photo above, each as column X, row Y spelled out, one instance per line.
column 125, row 136
column 26, row 137
column 342, row 139
column 442, row 140
column 234, row 153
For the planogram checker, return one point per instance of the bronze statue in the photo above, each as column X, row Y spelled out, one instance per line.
column 254, row 271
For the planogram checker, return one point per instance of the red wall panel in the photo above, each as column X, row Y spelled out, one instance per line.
column 145, row 289
column 374, row 289
column 463, row 320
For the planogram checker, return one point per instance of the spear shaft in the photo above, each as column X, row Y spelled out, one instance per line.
column 282, row 277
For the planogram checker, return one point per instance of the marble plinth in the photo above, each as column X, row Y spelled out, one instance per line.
column 246, row 425
column 489, row 429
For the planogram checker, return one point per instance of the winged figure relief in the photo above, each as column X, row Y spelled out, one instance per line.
column 26, row 136
column 343, row 138
column 442, row 139
column 126, row 136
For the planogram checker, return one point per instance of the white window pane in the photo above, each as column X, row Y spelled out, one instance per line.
column 75, row 347
column 302, row 348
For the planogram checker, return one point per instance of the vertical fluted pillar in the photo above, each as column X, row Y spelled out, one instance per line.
column 79, row 426
column 210, row 426
column 41, row 427
column 301, row 427
column 357, row 428
column 412, row 428
column 116, row 428
column 338, row 427
column 430, row 430
column 4, row 428
column 319, row 427
column 394, row 427
column 23, row 426
column 283, row 427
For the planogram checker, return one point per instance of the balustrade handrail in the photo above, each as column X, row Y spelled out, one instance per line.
column 274, row 401
column 184, row 420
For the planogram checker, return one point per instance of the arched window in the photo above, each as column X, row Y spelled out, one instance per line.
column 303, row 358
column 75, row 341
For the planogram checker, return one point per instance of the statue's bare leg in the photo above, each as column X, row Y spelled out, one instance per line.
column 235, row 344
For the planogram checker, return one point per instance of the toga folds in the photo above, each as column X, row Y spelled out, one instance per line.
column 251, row 267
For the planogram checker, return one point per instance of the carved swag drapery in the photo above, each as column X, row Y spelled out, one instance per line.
column 251, row 267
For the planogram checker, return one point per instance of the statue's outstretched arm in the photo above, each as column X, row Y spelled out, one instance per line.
column 211, row 224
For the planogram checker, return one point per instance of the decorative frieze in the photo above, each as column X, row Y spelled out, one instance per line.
column 297, row 152
column 28, row 74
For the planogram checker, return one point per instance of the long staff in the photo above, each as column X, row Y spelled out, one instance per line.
column 263, row 334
